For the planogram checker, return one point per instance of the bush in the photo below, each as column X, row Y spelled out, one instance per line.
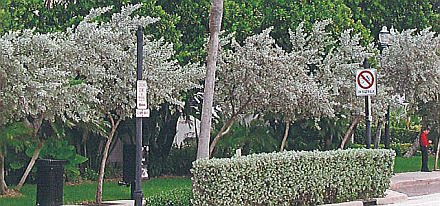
column 176, row 197
column 399, row 148
column 293, row 178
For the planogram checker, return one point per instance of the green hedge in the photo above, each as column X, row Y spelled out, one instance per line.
column 399, row 148
column 293, row 178
column 175, row 197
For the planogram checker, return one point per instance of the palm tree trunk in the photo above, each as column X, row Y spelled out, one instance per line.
column 30, row 166
column 215, row 21
column 4, row 187
column 355, row 121
column 104, row 160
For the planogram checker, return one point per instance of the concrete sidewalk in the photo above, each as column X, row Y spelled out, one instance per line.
column 414, row 178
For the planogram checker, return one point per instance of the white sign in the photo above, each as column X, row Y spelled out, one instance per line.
column 366, row 81
column 142, row 113
column 141, row 94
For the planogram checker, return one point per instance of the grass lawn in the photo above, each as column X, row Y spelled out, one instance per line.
column 411, row 164
column 86, row 192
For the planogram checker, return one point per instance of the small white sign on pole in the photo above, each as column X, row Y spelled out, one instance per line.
column 366, row 82
column 142, row 113
column 141, row 94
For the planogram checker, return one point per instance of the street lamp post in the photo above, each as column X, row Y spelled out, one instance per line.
column 385, row 40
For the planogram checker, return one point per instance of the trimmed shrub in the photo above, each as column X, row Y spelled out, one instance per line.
column 399, row 148
column 293, row 178
column 175, row 197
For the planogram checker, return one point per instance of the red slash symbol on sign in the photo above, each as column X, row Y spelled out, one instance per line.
column 365, row 79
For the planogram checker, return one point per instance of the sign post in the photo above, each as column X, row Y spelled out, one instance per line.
column 366, row 83
column 141, row 103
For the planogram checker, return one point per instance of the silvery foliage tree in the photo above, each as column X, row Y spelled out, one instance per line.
column 262, row 76
column 336, row 68
column 304, row 94
column 411, row 66
column 246, row 77
column 38, row 85
column 110, row 48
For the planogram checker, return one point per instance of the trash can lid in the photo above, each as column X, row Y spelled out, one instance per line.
column 43, row 162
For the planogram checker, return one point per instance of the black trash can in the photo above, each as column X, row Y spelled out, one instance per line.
column 50, row 182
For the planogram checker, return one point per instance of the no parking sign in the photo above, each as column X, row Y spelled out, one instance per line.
column 366, row 81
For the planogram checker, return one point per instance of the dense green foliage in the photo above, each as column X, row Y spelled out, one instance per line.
column 296, row 178
column 401, row 14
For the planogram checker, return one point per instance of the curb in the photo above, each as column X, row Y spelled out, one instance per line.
column 116, row 203
column 352, row 203
column 391, row 197
column 398, row 185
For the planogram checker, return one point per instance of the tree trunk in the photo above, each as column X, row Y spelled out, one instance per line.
column 413, row 148
column 436, row 154
column 286, row 133
column 215, row 20
column 378, row 134
column 328, row 142
column 223, row 131
column 350, row 130
column 30, row 166
column 104, row 160
column 4, row 187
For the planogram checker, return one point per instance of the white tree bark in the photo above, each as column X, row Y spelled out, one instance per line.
column 215, row 20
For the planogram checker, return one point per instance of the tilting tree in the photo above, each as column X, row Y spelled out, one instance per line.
column 411, row 67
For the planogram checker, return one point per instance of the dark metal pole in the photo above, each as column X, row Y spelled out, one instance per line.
column 138, row 196
column 387, row 129
column 367, row 112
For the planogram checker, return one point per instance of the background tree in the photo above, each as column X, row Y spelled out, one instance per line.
column 410, row 66
column 111, row 48
column 401, row 14
column 39, row 87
